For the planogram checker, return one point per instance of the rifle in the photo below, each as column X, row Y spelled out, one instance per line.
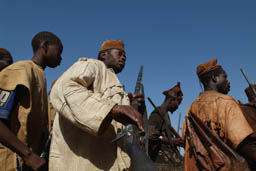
column 170, row 131
column 46, row 147
column 250, row 85
column 139, row 88
column 128, row 139
column 209, row 151
column 178, row 129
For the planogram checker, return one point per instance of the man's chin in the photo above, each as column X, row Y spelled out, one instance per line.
column 225, row 92
column 118, row 70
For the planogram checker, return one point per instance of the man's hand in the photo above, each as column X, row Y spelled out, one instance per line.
column 33, row 161
column 125, row 114
column 137, row 100
column 9, row 139
column 177, row 141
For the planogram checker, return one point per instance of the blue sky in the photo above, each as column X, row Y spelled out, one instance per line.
column 170, row 38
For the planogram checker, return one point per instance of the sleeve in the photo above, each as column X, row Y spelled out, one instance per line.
column 16, row 79
column 86, row 107
column 237, row 127
column 155, row 124
column 6, row 103
column 16, row 74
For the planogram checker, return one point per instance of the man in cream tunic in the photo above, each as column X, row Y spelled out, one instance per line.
column 89, row 100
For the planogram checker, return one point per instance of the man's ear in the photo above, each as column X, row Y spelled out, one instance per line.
column 103, row 55
column 44, row 46
column 215, row 78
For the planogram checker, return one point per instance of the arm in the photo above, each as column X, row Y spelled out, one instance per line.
column 177, row 141
column 7, row 137
column 10, row 140
column 247, row 149
column 155, row 123
column 87, row 107
column 237, row 127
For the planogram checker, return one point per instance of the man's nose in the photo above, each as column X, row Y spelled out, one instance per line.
column 123, row 57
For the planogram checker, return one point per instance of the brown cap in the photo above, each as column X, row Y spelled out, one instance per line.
column 174, row 92
column 112, row 44
column 207, row 67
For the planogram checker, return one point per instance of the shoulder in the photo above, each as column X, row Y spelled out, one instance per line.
column 216, row 96
column 92, row 63
column 156, row 114
column 21, row 65
column 90, row 60
column 19, row 73
column 248, row 106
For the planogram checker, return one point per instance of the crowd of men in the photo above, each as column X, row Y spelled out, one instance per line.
column 73, row 127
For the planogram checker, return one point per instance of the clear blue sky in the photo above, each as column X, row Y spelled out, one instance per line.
column 170, row 38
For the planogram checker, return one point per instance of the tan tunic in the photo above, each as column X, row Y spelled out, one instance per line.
column 29, row 120
column 223, row 115
column 83, row 97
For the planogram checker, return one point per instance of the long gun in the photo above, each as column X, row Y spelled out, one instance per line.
column 197, row 131
column 250, row 85
column 139, row 88
column 46, row 147
column 139, row 81
column 170, row 132
column 139, row 159
column 178, row 128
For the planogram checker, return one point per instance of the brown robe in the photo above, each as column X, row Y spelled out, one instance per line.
column 223, row 116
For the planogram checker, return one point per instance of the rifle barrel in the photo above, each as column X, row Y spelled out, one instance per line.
column 245, row 76
column 139, row 80
column 250, row 85
column 178, row 129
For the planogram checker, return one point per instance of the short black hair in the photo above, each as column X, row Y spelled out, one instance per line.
column 43, row 36
column 205, row 78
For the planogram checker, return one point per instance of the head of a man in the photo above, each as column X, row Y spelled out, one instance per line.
column 49, row 47
column 249, row 93
column 113, row 55
column 5, row 58
column 213, row 77
column 174, row 96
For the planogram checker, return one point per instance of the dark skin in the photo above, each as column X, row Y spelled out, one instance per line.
column 115, row 59
column 171, row 104
column 220, row 84
column 46, row 55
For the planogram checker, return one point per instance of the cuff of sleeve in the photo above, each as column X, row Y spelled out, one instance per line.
column 92, row 124
column 88, row 118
